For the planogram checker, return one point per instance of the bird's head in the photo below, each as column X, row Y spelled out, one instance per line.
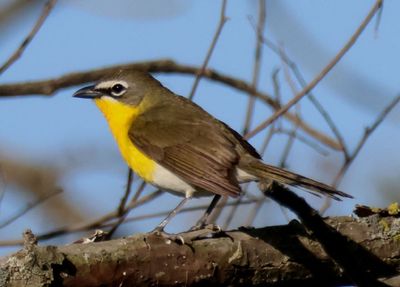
column 127, row 87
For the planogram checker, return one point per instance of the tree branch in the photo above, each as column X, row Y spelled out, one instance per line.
column 50, row 86
column 322, row 74
column 15, row 56
column 273, row 256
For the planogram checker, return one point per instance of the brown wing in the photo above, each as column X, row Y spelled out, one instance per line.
column 186, row 140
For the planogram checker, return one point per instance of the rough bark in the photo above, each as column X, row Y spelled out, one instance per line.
column 271, row 256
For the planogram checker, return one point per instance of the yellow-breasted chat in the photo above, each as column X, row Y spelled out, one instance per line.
column 174, row 144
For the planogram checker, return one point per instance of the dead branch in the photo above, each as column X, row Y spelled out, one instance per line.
column 351, row 157
column 50, row 86
column 271, row 256
column 256, row 64
column 18, row 52
column 41, row 181
column 222, row 20
column 322, row 74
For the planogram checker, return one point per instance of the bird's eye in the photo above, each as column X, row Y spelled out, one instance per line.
column 117, row 90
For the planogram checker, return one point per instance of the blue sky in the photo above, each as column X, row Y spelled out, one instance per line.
column 82, row 35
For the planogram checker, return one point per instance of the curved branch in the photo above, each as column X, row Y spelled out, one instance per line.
column 50, row 86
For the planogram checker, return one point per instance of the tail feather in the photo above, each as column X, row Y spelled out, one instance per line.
column 265, row 171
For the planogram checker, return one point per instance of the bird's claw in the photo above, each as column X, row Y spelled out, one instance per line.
column 202, row 232
column 195, row 233
column 177, row 238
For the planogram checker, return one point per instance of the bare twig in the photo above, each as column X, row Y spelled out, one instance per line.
column 222, row 21
column 296, row 71
column 303, row 139
column 256, row 64
column 104, row 222
column 92, row 224
column 378, row 20
column 139, row 191
column 324, row 113
column 184, row 210
column 251, row 102
column 30, row 206
column 238, row 201
column 367, row 134
column 121, row 206
column 292, row 134
column 15, row 56
column 321, row 75
column 360, row 145
column 125, row 211
column 127, row 192
column 262, row 150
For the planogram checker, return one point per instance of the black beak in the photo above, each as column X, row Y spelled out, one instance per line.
column 88, row 93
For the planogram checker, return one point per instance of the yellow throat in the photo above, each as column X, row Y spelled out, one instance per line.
column 120, row 117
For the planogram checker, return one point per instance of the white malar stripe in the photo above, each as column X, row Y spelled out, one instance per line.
column 166, row 180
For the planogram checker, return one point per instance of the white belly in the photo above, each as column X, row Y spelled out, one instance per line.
column 166, row 180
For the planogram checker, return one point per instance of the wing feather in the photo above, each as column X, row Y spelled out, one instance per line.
column 190, row 143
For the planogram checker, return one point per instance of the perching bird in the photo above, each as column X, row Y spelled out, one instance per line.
column 177, row 146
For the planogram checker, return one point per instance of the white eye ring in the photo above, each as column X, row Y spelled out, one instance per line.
column 118, row 89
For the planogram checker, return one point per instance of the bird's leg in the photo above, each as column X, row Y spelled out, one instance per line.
column 202, row 222
column 161, row 226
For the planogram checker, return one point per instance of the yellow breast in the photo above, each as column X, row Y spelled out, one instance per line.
column 120, row 117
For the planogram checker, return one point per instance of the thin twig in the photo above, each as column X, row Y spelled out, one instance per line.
column 302, row 139
column 29, row 207
column 218, row 210
column 367, row 134
column 297, row 73
column 251, row 100
column 125, row 211
column 127, row 192
column 292, row 135
column 121, row 206
column 256, row 64
column 238, row 201
column 105, row 223
column 222, row 20
column 184, row 210
column 92, row 224
column 321, row 75
column 139, row 191
column 324, row 113
column 262, row 150
column 378, row 21
column 17, row 54
column 360, row 145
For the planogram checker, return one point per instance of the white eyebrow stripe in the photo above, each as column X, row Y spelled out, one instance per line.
column 109, row 84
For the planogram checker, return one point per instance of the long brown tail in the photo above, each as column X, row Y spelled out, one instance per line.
column 265, row 171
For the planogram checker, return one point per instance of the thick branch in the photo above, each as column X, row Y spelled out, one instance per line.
column 50, row 86
column 272, row 256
